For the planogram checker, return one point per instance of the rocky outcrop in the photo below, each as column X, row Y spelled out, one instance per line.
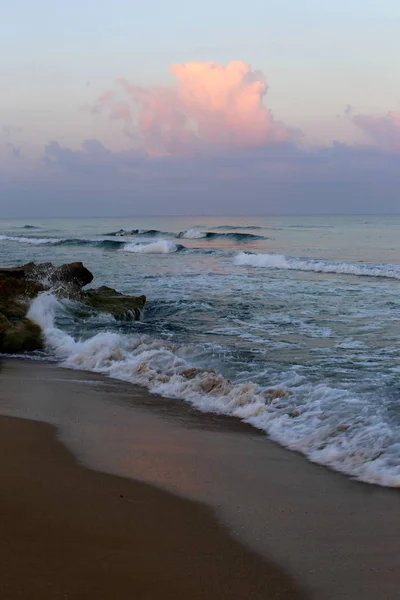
column 19, row 285
column 17, row 333
column 122, row 307
column 73, row 274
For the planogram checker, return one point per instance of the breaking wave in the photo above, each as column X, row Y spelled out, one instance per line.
column 29, row 240
column 278, row 261
column 139, row 232
column 159, row 247
column 212, row 235
column 329, row 425
column 36, row 241
column 193, row 234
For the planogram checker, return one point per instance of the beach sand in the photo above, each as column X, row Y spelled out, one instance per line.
column 68, row 533
column 247, row 518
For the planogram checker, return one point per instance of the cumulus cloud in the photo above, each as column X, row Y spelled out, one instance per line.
column 209, row 140
column 210, row 106
column 384, row 131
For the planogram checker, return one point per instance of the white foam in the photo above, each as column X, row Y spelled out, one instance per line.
column 192, row 234
column 329, row 425
column 278, row 261
column 28, row 240
column 157, row 247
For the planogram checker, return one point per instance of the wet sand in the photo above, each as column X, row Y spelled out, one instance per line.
column 68, row 533
column 335, row 538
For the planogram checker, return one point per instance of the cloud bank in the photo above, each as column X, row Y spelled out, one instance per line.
column 209, row 143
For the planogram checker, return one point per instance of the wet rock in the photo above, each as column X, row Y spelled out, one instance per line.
column 19, row 336
column 122, row 307
column 73, row 274
column 19, row 285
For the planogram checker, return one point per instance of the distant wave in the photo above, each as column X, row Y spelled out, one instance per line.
column 105, row 244
column 141, row 232
column 212, row 235
column 28, row 240
column 189, row 234
column 36, row 241
column 159, row 247
column 278, row 261
column 30, row 227
column 192, row 234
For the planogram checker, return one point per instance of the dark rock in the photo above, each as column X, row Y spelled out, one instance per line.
column 73, row 274
column 20, row 336
column 15, row 295
column 122, row 307
column 14, row 272
column 19, row 285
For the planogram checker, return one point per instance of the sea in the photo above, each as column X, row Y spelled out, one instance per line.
column 288, row 323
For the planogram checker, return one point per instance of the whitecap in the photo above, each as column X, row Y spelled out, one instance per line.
column 279, row 261
column 158, row 247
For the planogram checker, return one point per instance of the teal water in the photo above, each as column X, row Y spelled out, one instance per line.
column 308, row 306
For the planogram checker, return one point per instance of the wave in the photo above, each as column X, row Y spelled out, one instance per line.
column 139, row 232
column 191, row 234
column 278, row 261
column 159, row 247
column 329, row 425
column 36, row 241
column 212, row 235
column 105, row 244
column 30, row 227
column 28, row 240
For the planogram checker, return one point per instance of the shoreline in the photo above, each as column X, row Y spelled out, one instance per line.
column 337, row 538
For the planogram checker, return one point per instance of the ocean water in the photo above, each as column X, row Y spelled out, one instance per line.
column 292, row 322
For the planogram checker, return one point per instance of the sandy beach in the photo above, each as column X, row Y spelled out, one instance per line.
column 68, row 532
column 276, row 526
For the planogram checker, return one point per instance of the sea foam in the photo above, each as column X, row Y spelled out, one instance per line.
column 278, row 261
column 331, row 426
column 158, row 247
column 29, row 240
column 192, row 234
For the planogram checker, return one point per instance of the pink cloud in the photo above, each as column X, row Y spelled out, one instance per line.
column 385, row 131
column 210, row 105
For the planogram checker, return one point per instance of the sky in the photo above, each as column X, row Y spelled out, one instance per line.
column 219, row 107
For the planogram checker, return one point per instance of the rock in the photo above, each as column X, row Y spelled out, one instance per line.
column 15, row 295
column 106, row 299
column 73, row 274
column 19, row 285
column 20, row 336
column 14, row 272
